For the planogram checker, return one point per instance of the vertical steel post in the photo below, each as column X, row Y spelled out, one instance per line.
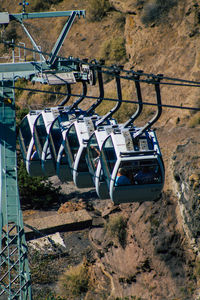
column 14, row 269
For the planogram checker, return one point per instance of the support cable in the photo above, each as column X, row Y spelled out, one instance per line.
column 110, row 99
column 150, row 76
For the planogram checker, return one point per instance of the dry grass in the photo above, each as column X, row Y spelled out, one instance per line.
column 194, row 120
column 98, row 9
column 75, row 282
column 113, row 50
column 116, row 229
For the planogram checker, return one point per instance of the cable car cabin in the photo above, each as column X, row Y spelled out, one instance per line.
column 76, row 140
column 75, row 146
column 41, row 137
column 133, row 169
column 93, row 159
column 27, row 146
column 57, row 135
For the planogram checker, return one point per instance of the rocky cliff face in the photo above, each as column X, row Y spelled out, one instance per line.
column 167, row 41
column 186, row 162
column 166, row 44
column 164, row 41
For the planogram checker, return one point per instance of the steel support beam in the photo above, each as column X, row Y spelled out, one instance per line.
column 14, row 270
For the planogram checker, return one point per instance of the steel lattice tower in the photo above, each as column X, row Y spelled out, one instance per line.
column 14, row 276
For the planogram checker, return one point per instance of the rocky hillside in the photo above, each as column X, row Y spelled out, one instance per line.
column 161, row 257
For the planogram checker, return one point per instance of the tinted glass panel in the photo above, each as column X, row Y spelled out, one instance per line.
column 72, row 141
column 55, row 138
column 63, row 160
column 40, row 134
column 25, row 135
column 93, row 152
column 34, row 154
column 146, row 171
column 108, row 157
column 82, row 166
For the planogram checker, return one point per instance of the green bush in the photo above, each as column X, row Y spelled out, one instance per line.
column 97, row 9
column 157, row 10
column 10, row 33
column 116, row 228
column 20, row 83
column 35, row 192
column 114, row 51
column 20, row 114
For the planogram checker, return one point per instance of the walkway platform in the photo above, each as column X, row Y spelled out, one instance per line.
column 39, row 226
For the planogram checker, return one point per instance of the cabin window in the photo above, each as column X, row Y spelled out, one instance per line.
column 25, row 135
column 63, row 160
column 82, row 165
column 55, row 138
column 40, row 134
column 72, row 141
column 108, row 157
column 140, row 172
column 93, row 152
column 34, row 153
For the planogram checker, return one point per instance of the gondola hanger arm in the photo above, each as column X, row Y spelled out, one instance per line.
column 148, row 125
column 140, row 104
column 116, row 71
column 100, row 98
column 81, row 98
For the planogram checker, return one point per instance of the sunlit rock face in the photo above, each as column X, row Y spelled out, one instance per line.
column 187, row 176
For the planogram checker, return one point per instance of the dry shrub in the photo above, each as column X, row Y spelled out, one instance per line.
column 97, row 9
column 157, row 10
column 194, row 120
column 114, row 50
column 197, row 269
column 119, row 20
column 125, row 112
column 116, row 228
column 71, row 206
column 38, row 5
column 75, row 282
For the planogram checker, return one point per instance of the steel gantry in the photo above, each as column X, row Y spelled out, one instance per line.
column 15, row 280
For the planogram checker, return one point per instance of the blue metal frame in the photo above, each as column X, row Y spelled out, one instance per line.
column 14, row 269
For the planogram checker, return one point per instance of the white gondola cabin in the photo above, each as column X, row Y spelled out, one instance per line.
column 98, row 137
column 57, row 135
column 93, row 158
column 75, row 148
column 141, row 162
column 41, row 138
column 78, row 134
column 27, row 146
